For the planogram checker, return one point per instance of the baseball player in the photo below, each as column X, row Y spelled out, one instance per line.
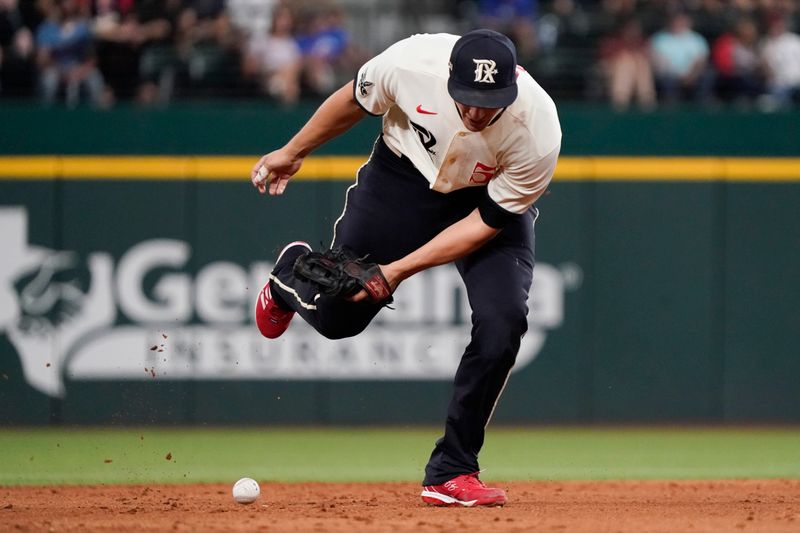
column 469, row 143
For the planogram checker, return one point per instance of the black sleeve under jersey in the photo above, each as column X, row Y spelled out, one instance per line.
column 492, row 214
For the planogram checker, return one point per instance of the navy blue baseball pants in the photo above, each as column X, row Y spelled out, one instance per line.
column 390, row 212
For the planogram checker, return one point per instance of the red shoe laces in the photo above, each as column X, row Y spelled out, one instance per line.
column 470, row 480
column 474, row 480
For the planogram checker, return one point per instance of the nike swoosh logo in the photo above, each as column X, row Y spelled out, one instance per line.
column 425, row 112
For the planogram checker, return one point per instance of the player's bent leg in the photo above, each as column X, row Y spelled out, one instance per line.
column 285, row 294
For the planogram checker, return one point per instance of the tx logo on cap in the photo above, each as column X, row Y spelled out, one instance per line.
column 485, row 69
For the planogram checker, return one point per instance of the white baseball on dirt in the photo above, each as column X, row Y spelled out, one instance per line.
column 246, row 490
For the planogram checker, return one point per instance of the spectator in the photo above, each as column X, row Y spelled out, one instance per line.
column 115, row 48
column 680, row 58
column 135, row 47
column 325, row 45
column 736, row 60
column 207, row 47
column 566, row 24
column 274, row 58
column 251, row 17
column 781, row 53
column 156, row 21
column 16, row 16
column 66, row 58
column 515, row 18
column 609, row 16
column 626, row 65
column 18, row 70
column 13, row 18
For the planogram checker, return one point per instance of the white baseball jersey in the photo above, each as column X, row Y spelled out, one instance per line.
column 514, row 157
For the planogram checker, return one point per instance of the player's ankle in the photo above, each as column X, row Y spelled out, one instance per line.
column 277, row 298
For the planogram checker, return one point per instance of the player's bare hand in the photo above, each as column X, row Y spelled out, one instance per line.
column 360, row 296
column 273, row 171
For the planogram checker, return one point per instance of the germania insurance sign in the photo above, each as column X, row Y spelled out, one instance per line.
column 95, row 317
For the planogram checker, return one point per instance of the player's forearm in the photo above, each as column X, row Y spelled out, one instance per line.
column 455, row 242
column 335, row 116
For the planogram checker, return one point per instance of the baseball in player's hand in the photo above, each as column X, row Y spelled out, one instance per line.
column 275, row 169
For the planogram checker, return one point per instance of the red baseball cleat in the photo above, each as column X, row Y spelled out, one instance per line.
column 272, row 320
column 465, row 490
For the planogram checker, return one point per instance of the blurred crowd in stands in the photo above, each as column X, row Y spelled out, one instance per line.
column 631, row 53
column 155, row 51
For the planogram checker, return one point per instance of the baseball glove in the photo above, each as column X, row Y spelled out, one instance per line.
column 340, row 272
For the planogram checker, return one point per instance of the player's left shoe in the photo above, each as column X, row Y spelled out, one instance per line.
column 272, row 320
column 466, row 490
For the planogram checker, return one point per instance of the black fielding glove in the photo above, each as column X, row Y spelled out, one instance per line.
column 339, row 272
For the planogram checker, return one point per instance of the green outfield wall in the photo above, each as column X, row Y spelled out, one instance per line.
column 132, row 244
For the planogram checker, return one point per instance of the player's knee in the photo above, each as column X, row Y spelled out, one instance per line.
column 503, row 323
column 514, row 313
column 339, row 331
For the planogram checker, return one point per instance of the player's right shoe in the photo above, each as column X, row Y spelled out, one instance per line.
column 465, row 490
column 272, row 320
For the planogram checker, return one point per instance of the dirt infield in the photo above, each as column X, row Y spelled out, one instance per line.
column 768, row 506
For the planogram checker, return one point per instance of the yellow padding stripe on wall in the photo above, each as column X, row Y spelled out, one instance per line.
column 344, row 168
